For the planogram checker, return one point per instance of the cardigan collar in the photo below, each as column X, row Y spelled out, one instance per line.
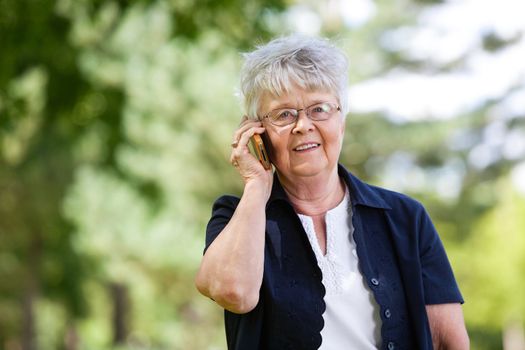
column 360, row 192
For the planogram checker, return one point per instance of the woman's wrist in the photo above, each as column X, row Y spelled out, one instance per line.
column 257, row 189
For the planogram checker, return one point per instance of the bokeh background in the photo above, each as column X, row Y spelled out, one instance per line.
column 115, row 123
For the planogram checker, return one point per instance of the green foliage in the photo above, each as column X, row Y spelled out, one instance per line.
column 112, row 102
column 496, row 261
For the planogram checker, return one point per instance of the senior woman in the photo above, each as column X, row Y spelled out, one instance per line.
column 311, row 257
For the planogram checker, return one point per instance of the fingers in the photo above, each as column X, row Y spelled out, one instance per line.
column 245, row 125
column 242, row 142
column 236, row 135
column 240, row 155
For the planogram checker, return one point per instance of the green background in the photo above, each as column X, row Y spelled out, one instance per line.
column 116, row 119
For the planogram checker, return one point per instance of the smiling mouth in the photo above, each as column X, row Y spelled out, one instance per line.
column 306, row 146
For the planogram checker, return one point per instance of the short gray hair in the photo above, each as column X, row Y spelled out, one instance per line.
column 310, row 63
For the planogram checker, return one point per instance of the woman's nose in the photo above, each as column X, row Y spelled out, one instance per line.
column 303, row 123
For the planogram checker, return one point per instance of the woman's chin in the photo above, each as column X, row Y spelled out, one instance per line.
column 308, row 169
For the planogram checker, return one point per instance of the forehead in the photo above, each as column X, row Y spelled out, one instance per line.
column 294, row 98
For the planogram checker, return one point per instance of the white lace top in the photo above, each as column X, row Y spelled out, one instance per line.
column 351, row 319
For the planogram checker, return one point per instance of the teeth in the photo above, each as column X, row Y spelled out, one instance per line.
column 307, row 146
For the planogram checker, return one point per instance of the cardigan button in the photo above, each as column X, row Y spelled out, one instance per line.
column 388, row 313
column 391, row 346
column 374, row 281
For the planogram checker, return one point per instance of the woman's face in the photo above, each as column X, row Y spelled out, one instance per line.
column 304, row 148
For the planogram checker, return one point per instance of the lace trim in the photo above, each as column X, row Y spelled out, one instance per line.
column 338, row 276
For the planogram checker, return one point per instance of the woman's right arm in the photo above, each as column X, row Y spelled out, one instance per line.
column 231, row 269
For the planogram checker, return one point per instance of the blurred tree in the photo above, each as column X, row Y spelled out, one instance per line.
column 36, row 88
column 493, row 265
column 72, row 92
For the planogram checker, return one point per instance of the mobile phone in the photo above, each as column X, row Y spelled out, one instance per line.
column 259, row 151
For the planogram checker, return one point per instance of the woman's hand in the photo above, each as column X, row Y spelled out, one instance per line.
column 249, row 167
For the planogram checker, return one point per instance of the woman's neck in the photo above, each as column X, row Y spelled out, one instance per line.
column 314, row 196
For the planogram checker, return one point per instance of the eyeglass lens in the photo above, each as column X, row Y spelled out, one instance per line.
column 319, row 111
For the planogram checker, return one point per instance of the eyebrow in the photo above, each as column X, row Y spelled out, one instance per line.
column 287, row 105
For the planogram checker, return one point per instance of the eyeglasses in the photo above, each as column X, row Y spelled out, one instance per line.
column 317, row 112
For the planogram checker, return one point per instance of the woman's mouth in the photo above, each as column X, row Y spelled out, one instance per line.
column 306, row 146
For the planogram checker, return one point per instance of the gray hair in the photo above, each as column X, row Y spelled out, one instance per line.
column 310, row 63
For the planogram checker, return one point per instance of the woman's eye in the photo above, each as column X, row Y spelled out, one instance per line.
column 285, row 115
column 321, row 108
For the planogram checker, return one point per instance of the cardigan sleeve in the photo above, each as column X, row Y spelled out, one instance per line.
column 222, row 212
column 439, row 283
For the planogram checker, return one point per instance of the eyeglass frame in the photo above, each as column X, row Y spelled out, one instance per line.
column 306, row 110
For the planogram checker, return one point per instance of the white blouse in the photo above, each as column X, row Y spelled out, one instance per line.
column 351, row 318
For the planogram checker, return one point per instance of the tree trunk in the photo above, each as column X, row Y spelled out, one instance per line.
column 28, row 317
column 71, row 337
column 119, row 295
column 513, row 336
column 30, row 294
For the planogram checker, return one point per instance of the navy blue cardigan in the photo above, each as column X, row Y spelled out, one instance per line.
column 400, row 256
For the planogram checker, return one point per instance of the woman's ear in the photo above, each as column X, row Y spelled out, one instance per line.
column 243, row 119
